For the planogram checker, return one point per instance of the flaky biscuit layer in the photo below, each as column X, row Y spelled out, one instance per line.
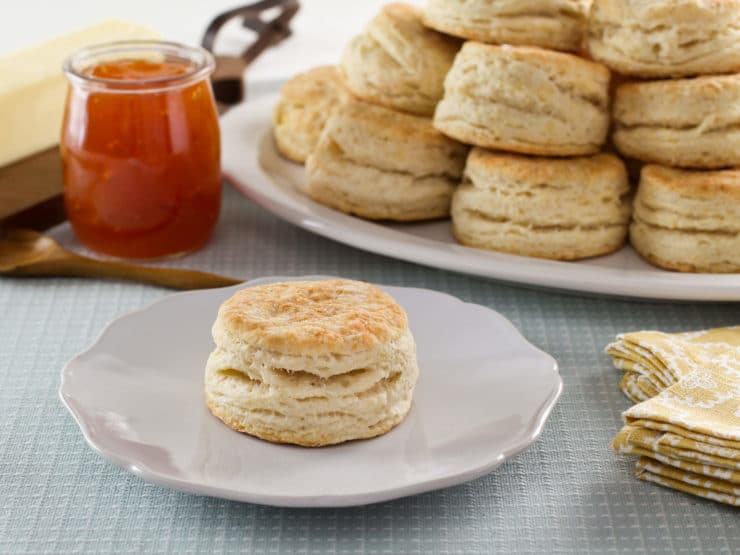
column 306, row 102
column 688, row 220
column 666, row 38
column 692, row 123
column 311, row 363
column 398, row 62
column 555, row 24
column 526, row 100
column 562, row 209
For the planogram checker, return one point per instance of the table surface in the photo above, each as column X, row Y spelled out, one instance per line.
column 568, row 493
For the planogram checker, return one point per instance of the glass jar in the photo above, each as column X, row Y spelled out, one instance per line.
column 141, row 148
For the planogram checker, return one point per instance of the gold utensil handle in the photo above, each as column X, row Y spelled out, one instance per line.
column 80, row 266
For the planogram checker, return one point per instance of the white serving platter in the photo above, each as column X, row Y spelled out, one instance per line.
column 252, row 165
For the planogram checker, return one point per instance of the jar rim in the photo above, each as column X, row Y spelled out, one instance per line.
column 200, row 60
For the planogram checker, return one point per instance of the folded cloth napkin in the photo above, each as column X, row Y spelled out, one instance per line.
column 685, row 426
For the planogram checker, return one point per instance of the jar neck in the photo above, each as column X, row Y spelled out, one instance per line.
column 193, row 65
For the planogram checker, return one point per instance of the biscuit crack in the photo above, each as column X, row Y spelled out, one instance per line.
column 525, row 110
column 239, row 375
column 595, row 100
column 581, row 147
column 385, row 383
column 414, row 177
column 552, row 227
column 412, row 95
column 529, row 192
column 543, row 14
column 702, row 128
column 720, row 231
column 601, row 29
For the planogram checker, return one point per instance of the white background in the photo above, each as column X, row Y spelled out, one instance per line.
column 321, row 28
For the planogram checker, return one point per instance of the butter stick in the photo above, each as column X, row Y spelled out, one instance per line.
column 33, row 88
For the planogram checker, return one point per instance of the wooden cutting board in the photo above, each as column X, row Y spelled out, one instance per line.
column 30, row 191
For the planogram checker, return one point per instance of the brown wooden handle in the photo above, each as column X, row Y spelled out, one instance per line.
column 80, row 266
column 268, row 32
column 228, row 87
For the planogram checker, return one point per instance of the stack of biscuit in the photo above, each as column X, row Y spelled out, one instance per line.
column 386, row 135
column 306, row 102
column 378, row 164
column 398, row 62
column 681, row 115
column 369, row 144
column 311, row 362
column 536, row 182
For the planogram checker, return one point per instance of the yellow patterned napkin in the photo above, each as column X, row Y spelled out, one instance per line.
column 685, row 426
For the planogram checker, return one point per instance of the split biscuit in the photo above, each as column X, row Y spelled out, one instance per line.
column 691, row 123
column 398, row 62
column 311, row 362
column 380, row 164
column 525, row 99
column 556, row 208
column 305, row 103
column 555, row 24
column 688, row 220
column 666, row 38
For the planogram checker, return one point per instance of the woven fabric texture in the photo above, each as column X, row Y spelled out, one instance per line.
column 568, row 493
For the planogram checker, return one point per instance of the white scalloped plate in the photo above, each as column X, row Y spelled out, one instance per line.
column 483, row 395
column 253, row 166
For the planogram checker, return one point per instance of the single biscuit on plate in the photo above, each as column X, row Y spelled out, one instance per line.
column 398, row 62
column 311, row 362
column 306, row 102
column 384, row 165
column 688, row 220
column 555, row 24
column 666, row 38
column 525, row 99
column 691, row 123
column 557, row 208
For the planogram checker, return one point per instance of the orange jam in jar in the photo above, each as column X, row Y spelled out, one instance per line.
column 141, row 149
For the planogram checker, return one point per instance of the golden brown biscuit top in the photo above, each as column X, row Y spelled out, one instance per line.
column 543, row 8
column 680, row 90
column 392, row 125
column 675, row 12
column 716, row 185
column 313, row 84
column 313, row 317
column 562, row 61
column 403, row 13
column 537, row 170
column 582, row 77
column 709, row 101
column 406, row 21
column 398, row 29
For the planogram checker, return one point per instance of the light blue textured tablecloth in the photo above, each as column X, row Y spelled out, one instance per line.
column 568, row 493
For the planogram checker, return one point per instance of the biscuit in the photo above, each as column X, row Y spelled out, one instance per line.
column 666, row 38
column 381, row 164
column 688, row 220
column 526, row 100
column 557, row 208
column 311, row 363
column 555, row 24
column 692, row 123
column 399, row 63
column 306, row 101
